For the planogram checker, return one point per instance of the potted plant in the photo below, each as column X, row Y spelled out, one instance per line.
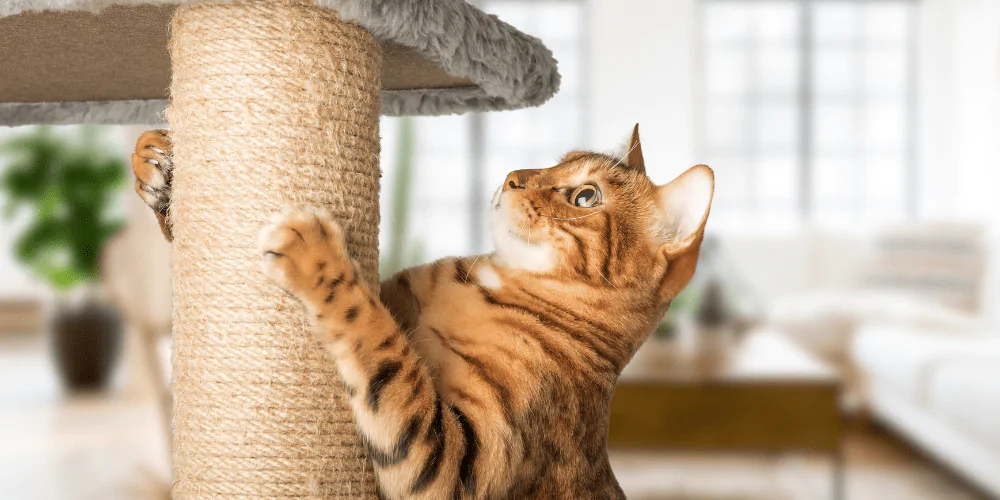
column 64, row 185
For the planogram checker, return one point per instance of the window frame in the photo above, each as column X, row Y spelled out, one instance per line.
column 804, row 151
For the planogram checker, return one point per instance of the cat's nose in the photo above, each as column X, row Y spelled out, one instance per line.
column 517, row 179
column 513, row 181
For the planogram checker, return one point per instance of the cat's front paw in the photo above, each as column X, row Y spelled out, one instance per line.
column 303, row 249
column 152, row 163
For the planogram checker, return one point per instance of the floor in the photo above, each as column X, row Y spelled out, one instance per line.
column 878, row 467
column 56, row 447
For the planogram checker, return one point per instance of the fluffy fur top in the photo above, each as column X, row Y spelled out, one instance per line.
column 511, row 69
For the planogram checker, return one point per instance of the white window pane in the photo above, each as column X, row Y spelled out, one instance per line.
column 507, row 128
column 498, row 165
column 835, row 128
column 885, row 126
column 552, row 130
column 727, row 22
column 858, row 87
column 485, row 243
column 777, row 125
column 777, row 22
column 835, row 72
column 886, row 22
column 836, row 22
column 885, row 181
column 389, row 129
column 727, row 125
column 881, row 214
column 833, row 180
column 441, row 178
column 733, row 182
column 441, row 232
column 512, row 13
column 731, row 218
column 571, row 130
column 558, row 20
column 885, row 71
column 777, row 181
column 436, row 132
column 727, row 71
column 571, row 69
column 777, row 217
column 835, row 215
column 778, row 70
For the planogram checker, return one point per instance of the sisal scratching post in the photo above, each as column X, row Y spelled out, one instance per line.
column 274, row 103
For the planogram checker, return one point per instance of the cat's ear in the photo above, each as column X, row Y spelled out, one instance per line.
column 684, row 205
column 634, row 156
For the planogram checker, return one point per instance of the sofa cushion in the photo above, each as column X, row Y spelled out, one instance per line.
column 906, row 358
column 964, row 391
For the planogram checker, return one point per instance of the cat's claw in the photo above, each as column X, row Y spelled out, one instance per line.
column 301, row 244
column 153, row 165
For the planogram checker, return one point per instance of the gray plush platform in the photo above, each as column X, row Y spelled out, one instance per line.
column 442, row 57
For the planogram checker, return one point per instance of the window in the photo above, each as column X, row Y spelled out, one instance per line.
column 458, row 161
column 808, row 110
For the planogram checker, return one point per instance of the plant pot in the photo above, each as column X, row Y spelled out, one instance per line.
column 86, row 340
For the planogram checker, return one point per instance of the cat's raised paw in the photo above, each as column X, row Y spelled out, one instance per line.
column 300, row 247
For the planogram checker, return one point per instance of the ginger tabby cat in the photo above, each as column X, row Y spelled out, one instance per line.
column 490, row 376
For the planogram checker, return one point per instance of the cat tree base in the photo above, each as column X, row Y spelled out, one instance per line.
column 273, row 104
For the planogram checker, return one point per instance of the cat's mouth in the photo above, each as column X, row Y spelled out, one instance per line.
column 505, row 221
column 516, row 248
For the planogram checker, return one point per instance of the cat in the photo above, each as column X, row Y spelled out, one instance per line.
column 491, row 376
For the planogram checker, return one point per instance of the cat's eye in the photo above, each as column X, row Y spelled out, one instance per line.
column 585, row 196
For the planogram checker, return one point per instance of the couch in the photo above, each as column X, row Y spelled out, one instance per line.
column 911, row 337
column 940, row 390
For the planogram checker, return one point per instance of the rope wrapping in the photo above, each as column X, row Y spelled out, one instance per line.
column 274, row 103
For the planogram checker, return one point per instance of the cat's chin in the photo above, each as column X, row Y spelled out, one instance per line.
column 516, row 253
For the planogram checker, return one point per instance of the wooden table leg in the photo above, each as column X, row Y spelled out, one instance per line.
column 839, row 475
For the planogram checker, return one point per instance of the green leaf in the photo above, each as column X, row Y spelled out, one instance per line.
column 68, row 182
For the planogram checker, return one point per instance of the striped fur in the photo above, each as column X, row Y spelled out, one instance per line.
column 490, row 376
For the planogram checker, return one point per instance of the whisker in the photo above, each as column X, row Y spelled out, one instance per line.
column 473, row 266
column 628, row 152
column 580, row 217
column 622, row 159
column 606, row 279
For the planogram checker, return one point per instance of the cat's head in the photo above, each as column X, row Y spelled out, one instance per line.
column 599, row 218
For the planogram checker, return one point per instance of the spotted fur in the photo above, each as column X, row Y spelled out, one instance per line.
column 490, row 376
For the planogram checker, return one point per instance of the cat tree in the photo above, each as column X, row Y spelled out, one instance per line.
column 272, row 102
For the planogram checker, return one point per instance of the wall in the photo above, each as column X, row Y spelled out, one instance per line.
column 642, row 70
column 960, row 121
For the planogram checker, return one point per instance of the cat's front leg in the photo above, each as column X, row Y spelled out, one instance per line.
column 414, row 438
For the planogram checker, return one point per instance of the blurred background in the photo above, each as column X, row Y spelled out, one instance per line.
column 840, row 340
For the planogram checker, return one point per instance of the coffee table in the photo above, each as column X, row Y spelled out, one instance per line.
column 768, row 395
